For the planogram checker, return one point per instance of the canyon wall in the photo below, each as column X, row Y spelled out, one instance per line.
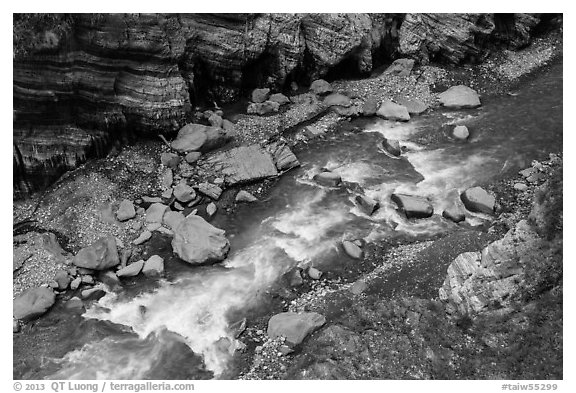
column 116, row 77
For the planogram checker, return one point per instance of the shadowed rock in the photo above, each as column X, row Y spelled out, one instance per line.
column 413, row 206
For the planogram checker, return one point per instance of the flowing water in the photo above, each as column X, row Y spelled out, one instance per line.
column 179, row 327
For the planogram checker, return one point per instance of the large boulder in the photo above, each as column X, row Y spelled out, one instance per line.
column 260, row 95
column 32, row 303
column 320, row 87
column 196, row 241
column 337, row 99
column 368, row 205
column 125, row 211
column 329, row 179
column 477, row 200
column 184, row 193
column 262, row 108
column 454, row 213
column 101, row 255
column 282, row 156
column 458, row 97
column 210, row 190
column 391, row 111
column 413, row 206
column 198, row 137
column 294, row 327
column 131, row 270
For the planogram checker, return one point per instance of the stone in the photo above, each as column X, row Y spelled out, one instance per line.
column 32, row 303
column 93, row 293
column 453, row 213
column 210, row 190
column 87, row 279
column 149, row 199
column 228, row 126
column 414, row 107
column 352, row 250
column 320, row 87
column 192, row 157
column 282, row 156
column 520, row 186
column 352, row 111
column 358, row 287
column 477, row 200
column 167, row 178
column 101, row 255
column 413, row 206
column 400, row 67
column 280, row 98
column 62, row 279
column 178, row 206
column 15, row 326
column 211, row 209
column 110, row 279
column 392, row 111
column 260, row 95
column 184, row 193
column 144, row 237
column 262, row 108
column 74, row 304
column 125, row 211
column 367, row 204
column 196, row 241
column 329, row 179
column 82, row 270
column 173, row 219
column 186, row 170
column 245, row 196
column 294, row 327
column 154, row 266
column 155, row 212
column 370, row 106
column 526, row 173
column 392, row 147
column 75, row 284
column 215, row 121
column 295, row 278
column 459, row 97
column 170, row 160
column 461, row 132
column 314, row 273
column 337, row 99
column 165, row 231
column 125, row 256
column 167, row 194
column 198, row 137
column 312, row 132
column 131, row 270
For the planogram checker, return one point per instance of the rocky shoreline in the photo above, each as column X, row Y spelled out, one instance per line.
column 119, row 196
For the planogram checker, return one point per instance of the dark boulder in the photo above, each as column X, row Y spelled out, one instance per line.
column 413, row 206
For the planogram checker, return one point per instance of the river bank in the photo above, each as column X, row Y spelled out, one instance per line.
column 80, row 207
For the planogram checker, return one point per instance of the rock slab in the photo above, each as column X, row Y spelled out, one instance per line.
column 294, row 327
column 413, row 206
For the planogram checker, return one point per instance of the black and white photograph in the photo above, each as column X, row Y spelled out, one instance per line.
column 286, row 196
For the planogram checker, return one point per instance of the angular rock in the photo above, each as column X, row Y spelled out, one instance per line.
column 110, row 279
column 154, row 266
column 370, row 106
column 368, row 205
column 184, row 193
column 453, row 213
column 101, row 255
column 125, row 211
column 282, row 156
column 131, row 270
column 392, row 147
column 144, row 237
column 167, row 194
column 280, row 98
column 352, row 250
column 459, row 97
column 198, row 137
column 155, row 212
column 173, row 219
column 329, row 179
column 167, row 178
column 461, row 132
column 294, row 327
column 400, row 67
column 245, row 196
column 414, row 107
column 228, row 126
column 477, row 200
column 192, row 157
column 413, row 206
column 93, row 293
column 75, row 284
column 320, row 87
column 260, row 95
column 62, row 279
column 337, row 99
column 392, row 111
column 215, row 121
column 170, row 160
column 197, row 242
column 262, row 108
column 32, row 303
column 210, row 190
column 295, row 278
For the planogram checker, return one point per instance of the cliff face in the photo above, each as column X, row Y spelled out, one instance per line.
column 114, row 77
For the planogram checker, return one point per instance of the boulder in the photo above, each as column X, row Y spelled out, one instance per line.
column 144, row 236
column 215, row 121
column 131, row 270
column 414, row 107
column 400, row 67
column 101, row 255
column 295, row 278
column 245, row 196
column 312, row 132
column 329, row 179
column 93, row 293
column 192, row 157
column 74, row 304
column 62, row 279
column 352, row 111
column 172, row 219
column 461, row 132
column 32, row 303
column 413, row 206
column 228, row 126
column 391, row 111
column 196, row 241
column 337, row 99
column 149, row 199
column 392, row 147
column 477, row 200
column 368, row 205
column 280, row 98
column 454, row 213
column 198, row 137
column 210, row 190
column 184, row 193
column 110, row 279
column 260, row 95
column 167, row 194
column 125, row 211
column 154, row 266
column 320, row 87
column 294, row 327
column 370, row 106
column 352, row 250
column 458, row 97
column 263, row 108
column 155, row 212
column 170, row 160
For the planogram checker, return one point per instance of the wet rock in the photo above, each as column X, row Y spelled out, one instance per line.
column 352, row 250
column 329, row 179
column 211, row 209
column 367, row 204
column 320, row 87
column 192, row 157
column 400, row 67
column 173, row 219
column 131, row 270
column 74, row 304
column 282, row 156
column 196, row 241
column 125, row 211
column 413, row 206
column 337, row 99
column 154, row 266
column 263, row 108
column 237, row 328
column 184, row 193
column 459, row 97
column 520, row 186
column 170, row 160
column 62, row 279
column 392, row 147
column 358, row 287
column 75, row 284
column 210, row 190
column 414, row 107
column 178, row 206
column 391, row 111
column 110, row 279
column 155, row 212
column 101, row 255
column 260, row 95
column 280, row 98
column 461, row 132
column 167, row 178
column 144, row 237
column 294, row 327
column 245, row 196
column 93, row 293
column 215, row 121
column 314, row 273
column 453, row 213
column 295, row 278
column 476, row 199
column 32, row 303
